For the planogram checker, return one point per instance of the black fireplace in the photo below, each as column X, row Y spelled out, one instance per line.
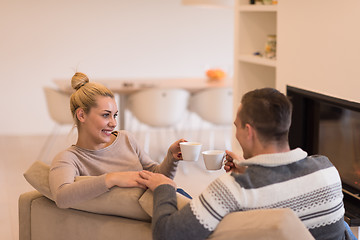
column 330, row 126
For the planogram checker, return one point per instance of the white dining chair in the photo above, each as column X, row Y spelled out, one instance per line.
column 159, row 109
column 214, row 106
column 58, row 106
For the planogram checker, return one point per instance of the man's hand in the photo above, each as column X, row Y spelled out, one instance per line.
column 230, row 165
column 153, row 180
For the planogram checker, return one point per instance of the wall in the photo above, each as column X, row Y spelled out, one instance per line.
column 318, row 46
column 46, row 39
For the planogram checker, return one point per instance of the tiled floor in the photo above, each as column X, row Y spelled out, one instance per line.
column 19, row 152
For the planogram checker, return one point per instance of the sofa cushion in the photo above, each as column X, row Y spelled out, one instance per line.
column 125, row 202
column 38, row 176
column 118, row 201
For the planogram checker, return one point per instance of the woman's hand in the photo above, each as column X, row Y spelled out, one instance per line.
column 153, row 180
column 230, row 165
column 175, row 149
column 123, row 179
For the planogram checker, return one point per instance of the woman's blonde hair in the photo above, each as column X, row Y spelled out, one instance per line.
column 85, row 94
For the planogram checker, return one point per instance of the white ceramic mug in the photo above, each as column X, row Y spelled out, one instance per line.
column 190, row 150
column 213, row 159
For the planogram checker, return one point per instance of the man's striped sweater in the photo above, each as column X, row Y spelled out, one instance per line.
column 310, row 186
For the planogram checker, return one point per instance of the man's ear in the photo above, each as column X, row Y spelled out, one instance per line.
column 250, row 131
column 80, row 114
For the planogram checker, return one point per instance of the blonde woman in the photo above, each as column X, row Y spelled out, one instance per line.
column 114, row 157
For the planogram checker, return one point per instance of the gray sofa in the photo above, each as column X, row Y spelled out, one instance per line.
column 126, row 214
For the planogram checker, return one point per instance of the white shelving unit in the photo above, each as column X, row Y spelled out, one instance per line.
column 253, row 23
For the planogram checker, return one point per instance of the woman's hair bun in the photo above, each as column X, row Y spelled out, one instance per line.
column 78, row 80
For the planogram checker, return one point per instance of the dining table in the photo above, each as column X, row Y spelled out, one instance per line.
column 125, row 87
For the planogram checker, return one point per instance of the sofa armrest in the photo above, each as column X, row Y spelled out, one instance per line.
column 25, row 201
column 279, row 224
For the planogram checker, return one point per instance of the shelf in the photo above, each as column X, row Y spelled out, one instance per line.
column 257, row 60
column 253, row 24
column 258, row 8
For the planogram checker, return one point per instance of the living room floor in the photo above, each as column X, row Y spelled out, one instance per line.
column 19, row 152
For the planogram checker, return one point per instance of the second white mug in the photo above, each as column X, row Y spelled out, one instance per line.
column 213, row 159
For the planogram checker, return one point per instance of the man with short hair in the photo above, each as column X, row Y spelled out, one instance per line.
column 270, row 176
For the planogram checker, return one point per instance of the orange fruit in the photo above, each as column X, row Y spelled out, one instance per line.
column 215, row 74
